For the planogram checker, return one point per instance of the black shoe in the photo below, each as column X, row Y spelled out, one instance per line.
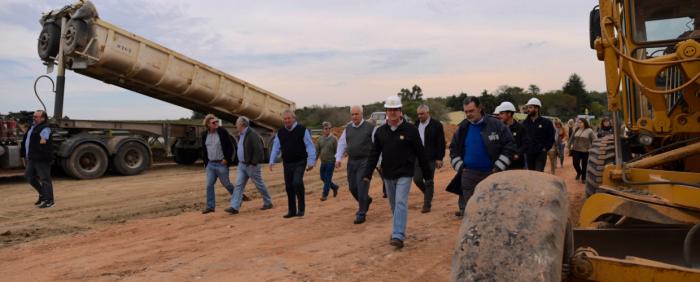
column 207, row 210
column 425, row 209
column 384, row 196
column 39, row 202
column 323, row 198
column 289, row 215
column 266, row 207
column 459, row 213
column 396, row 243
column 245, row 198
column 46, row 204
column 300, row 214
column 359, row 219
column 335, row 191
column 231, row 211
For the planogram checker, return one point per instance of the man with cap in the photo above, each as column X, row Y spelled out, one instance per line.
column 356, row 141
column 298, row 154
column 505, row 112
column 481, row 146
column 432, row 136
column 540, row 136
column 399, row 144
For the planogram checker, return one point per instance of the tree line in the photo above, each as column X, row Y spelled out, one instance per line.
column 571, row 100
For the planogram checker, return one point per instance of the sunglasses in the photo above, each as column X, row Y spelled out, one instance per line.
column 214, row 122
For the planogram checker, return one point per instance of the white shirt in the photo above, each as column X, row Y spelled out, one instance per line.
column 421, row 130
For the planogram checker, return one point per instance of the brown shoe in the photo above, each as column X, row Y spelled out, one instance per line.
column 324, row 198
column 396, row 243
column 425, row 209
column 207, row 210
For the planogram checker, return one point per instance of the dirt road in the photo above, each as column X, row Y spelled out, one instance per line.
column 147, row 227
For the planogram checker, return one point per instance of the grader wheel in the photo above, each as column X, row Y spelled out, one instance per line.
column 514, row 229
column 600, row 154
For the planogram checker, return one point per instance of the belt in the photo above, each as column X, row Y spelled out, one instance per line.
column 216, row 161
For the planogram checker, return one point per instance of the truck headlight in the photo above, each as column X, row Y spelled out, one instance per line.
column 646, row 139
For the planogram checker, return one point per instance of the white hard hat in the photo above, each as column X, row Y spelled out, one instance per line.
column 497, row 110
column 506, row 107
column 392, row 102
column 534, row 102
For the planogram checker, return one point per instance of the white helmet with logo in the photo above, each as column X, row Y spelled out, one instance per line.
column 392, row 102
column 506, row 107
column 534, row 102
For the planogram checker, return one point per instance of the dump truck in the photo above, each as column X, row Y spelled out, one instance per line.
column 641, row 218
column 76, row 38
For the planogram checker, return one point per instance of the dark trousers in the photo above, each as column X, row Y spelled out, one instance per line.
column 425, row 186
column 470, row 178
column 580, row 162
column 537, row 161
column 38, row 174
column 359, row 188
column 294, row 185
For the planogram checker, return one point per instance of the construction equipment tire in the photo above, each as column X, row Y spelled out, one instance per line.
column 600, row 154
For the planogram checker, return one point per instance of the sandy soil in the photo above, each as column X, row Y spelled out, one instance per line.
column 148, row 227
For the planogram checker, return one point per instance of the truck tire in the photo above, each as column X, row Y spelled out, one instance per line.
column 87, row 161
column 600, row 154
column 49, row 41
column 76, row 36
column 514, row 229
column 131, row 158
column 185, row 156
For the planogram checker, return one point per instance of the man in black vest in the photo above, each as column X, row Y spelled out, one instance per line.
column 432, row 136
column 298, row 153
column 356, row 141
column 37, row 149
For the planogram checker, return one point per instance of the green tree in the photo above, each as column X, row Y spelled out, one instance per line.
column 533, row 89
column 454, row 102
column 414, row 94
column 197, row 115
column 575, row 87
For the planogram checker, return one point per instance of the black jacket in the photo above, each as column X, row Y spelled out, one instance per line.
column 226, row 146
column 37, row 151
column 540, row 135
column 519, row 135
column 399, row 149
column 434, row 140
column 253, row 152
column 500, row 145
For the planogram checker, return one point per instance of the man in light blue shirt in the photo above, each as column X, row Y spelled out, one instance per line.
column 38, row 151
column 298, row 153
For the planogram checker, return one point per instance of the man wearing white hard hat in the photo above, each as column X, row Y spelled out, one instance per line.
column 541, row 136
column 399, row 144
column 505, row 112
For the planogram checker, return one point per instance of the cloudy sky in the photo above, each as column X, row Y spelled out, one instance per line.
column 320, row 52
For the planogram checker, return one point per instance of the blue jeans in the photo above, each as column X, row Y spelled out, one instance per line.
column 243, row 172
column 397, row 190
column 561, row 154
column 214, row 171
column 327, row 177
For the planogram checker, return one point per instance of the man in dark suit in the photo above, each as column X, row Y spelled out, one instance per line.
column 217, row 150
column 433, row 137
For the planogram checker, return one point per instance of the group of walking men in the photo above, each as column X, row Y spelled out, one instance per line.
column 403, row 152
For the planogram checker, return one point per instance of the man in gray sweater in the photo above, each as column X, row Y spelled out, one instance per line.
column 356, row 141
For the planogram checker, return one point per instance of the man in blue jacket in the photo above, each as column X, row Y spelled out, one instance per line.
column 481, row 146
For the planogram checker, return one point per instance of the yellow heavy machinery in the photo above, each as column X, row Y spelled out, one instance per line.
column 641, row 219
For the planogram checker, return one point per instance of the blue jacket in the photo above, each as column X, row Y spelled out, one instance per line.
column 497, row 139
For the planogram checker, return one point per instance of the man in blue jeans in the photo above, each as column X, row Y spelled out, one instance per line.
column 298, row 154
column 400, row 146
column 325, row 150
column 218, row 155
column 250, row 154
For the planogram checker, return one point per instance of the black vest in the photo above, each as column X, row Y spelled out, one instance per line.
column 292, row 143
column 38, row 151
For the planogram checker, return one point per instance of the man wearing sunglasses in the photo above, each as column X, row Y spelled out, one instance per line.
column 218, row 156
column 37, row 150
